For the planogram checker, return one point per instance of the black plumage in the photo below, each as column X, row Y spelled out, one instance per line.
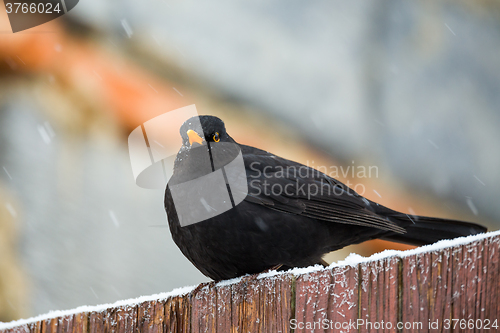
column 305, row 215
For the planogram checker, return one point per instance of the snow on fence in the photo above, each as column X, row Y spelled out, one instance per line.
column 451, row 286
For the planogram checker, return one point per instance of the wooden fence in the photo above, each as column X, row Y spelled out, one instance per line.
column 447, row 289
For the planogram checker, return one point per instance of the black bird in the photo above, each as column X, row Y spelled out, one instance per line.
column 285, row 214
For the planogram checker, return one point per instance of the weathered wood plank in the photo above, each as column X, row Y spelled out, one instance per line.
column 311, row 300
column 204, row 310
column 96, row 322
column 80, row 323
column 327, row 300
column 482, row 283
column 126, row 318
column 379, row 291
column 178, row 314
column 472, row 265
column 36, row 327
column 244, row 307
column 492, row 305
column 65, row 324
column 224, row 304
column 275, row 306
column 343, row 299
column 440, row 289
column 249, row 305
column 150, row 317
column 390, row 311
column 416, row 292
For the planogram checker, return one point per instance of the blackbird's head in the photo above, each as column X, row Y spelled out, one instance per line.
column 212, row 130
column 205, row 147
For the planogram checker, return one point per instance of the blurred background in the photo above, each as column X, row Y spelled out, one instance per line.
column 410, row 89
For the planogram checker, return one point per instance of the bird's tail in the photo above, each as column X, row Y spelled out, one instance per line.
column 424, row 230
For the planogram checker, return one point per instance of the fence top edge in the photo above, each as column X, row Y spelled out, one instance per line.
column 96, row 308
column 355, row 259
column 352, row 260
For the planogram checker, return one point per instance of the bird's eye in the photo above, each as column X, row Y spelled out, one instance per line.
column 216, row 137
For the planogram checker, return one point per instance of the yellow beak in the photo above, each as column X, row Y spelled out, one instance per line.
column 194, row 137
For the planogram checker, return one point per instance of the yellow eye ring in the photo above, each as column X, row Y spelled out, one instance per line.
column 216, row 137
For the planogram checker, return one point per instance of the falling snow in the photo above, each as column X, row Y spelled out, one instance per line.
column 8, row 174
column 479, row 180
column 43, row 133
column 471, row 206
column 127, row 28
column 21, row 60
column 177, row 91
column 46, row 132
column 433, row 144
column 150, row 86
column 450, row 29
column 11, row 209
column 113, row 218
column 92, row 289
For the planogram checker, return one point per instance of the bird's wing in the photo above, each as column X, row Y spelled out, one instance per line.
column 294, row 188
